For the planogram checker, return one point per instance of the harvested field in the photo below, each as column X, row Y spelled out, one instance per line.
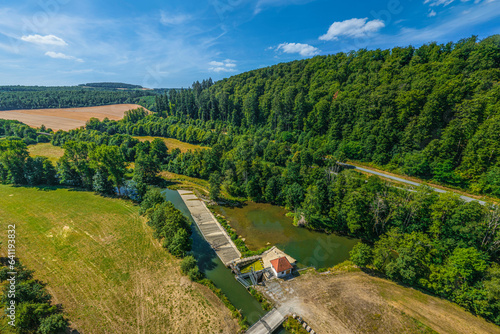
column 103, row 265
column 350, row 301
column 67, row 118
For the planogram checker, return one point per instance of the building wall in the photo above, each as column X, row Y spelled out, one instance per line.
column 281, row 273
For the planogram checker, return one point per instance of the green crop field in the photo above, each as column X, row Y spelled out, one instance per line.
column 103, row 265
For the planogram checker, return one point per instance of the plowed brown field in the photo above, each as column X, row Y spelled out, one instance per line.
column 67, row 118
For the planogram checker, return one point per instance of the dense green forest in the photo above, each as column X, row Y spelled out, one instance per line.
column 34, row 97
column 430, row 112
column 275, row 135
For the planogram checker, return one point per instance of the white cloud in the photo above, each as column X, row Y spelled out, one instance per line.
column 44, row 40
column 216, row 63
column 432, row 13
column 59, row 55
column 433, row 3
column 304, row 50
column 173, row 19
column 354, row 28
column 227, row 65
column 439, row 2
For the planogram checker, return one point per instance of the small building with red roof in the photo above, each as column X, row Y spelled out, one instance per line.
column 281, row 266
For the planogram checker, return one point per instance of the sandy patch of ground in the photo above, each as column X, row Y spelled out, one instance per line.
column 354, row 302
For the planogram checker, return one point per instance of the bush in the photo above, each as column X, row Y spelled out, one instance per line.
column 188, row 263
column 153, row 196
column 54, row 323
column 194, row 274
column 361, row 255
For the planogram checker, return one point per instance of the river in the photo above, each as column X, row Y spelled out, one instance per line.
column 265, row 224
column 261, row 224
column 215, row 270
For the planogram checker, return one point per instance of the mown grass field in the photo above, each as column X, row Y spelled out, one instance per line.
column 46, row 150
column 103, row 265
column 174, row 143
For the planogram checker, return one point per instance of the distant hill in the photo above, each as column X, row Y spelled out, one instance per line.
column 113, row 85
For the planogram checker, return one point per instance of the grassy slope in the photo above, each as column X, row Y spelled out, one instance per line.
column 354, row 302
column 174, row 143
column 103, row 265
column 46, row 150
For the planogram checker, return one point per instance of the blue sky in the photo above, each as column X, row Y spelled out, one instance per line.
column 173, row 43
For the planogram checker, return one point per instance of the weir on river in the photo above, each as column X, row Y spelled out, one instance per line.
column 211, row 229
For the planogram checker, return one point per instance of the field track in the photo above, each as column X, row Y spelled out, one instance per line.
column 66, row 118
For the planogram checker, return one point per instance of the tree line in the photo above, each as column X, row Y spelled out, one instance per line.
column 26, row 97
column 34, row 311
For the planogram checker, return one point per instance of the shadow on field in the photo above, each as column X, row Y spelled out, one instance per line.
column 46, row 188
column 39, row 188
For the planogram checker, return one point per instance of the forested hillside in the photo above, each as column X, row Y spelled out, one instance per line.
column 111, row 85
column 34, row 97
column 431, row 112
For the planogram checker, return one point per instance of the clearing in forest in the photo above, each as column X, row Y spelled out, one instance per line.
column 46, row 150
column 103, row 265
column 174, row 143
column 67, row 118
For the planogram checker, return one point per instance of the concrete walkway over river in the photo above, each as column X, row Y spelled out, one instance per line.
column 211, row 229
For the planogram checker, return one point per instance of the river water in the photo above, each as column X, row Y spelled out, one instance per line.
column 262, row 225
column 214, row 269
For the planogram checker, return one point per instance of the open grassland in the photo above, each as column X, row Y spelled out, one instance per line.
column 103, row 265
column 350, row 301
column 67, row 118
column 46, row 150
column 174, row 143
